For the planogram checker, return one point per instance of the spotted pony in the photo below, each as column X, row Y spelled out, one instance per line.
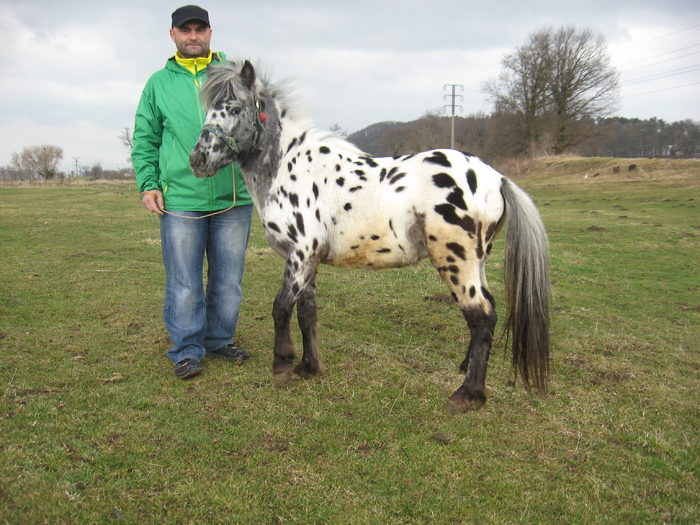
column 323, row 201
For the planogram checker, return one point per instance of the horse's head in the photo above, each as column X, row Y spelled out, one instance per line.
column 234, row 119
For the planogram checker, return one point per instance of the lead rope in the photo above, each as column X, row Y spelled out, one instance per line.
column 155, row 198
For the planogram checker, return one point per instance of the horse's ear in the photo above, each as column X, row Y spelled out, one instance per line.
column 248, row 74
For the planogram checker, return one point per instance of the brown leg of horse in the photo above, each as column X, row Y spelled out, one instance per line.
column 284, row 347
column 471, row 395
column 310, row 364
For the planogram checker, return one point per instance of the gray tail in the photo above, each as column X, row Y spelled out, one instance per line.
column 527, row 287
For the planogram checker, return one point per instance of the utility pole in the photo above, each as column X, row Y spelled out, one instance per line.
column 76, row 159
column 453, row 104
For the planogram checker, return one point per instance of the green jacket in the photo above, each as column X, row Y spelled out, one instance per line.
column 168, row 121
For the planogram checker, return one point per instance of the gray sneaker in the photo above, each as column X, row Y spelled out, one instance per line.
column 230, row 353
column 187, row 368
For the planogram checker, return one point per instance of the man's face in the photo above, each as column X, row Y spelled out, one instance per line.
column 192, row 40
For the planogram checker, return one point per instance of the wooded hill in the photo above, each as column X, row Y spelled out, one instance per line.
column 489, row 137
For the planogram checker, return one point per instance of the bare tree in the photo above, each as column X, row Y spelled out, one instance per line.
column 96, row 171
column 338, row 130
column 522, row 89
column 556, row 84
column 583, row 84
column 39, row 160
column 127, row 138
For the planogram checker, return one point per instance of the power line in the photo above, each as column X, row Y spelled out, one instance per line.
column 659, row 76
column 662, row 62
column 657, row 38
column 660, row 90
column 662, row 54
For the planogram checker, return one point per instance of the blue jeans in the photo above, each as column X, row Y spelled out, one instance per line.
column 199, row 322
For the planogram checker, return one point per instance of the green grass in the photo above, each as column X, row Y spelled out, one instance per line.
column 95, row 428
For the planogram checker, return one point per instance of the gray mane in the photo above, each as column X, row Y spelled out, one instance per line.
column 223, row 83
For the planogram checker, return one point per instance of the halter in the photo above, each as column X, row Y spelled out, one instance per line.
column 260, row 118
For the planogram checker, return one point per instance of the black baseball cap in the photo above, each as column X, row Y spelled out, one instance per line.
column 189, row 12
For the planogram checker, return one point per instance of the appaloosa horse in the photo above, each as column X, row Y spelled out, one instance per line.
column 321, row 200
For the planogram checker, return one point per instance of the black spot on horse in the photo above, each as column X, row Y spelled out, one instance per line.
column 315, row 190
column 292, row 233
column 292, row 144
column 457, row 249
column 488, row 296
column 400, row 189
column 438, row 157
column 340, row 181
column 273, row 226
column 443, row 180
column 457, row 198
column 289, row 166
column 300, row 223
column 396, row 178
column 450, row 216
column 337, row 167
column 325, row 150
column 347, row 206
column 471, row 180
column 472, row 291
column 355, row 188
column 294, row 200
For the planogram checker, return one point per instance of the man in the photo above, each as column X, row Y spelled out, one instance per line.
column 197, row 216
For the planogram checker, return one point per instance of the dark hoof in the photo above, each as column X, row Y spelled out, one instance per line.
column 462, row 401
column 304, row 371
column 282, row 377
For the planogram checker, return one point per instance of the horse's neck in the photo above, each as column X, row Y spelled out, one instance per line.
column 260, row 170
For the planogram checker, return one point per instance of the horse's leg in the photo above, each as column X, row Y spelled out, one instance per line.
column 460, row 265
column 471, row 395
column 310, row 364
column 298, row 288
column 284, row 347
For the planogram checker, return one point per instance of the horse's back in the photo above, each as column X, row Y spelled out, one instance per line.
column 379, row 212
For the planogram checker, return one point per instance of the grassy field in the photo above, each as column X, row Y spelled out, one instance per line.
column 94, row 427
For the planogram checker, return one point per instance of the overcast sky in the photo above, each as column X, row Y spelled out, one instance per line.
column 74, row 70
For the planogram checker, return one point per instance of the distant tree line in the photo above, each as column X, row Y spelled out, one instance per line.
column 36, row 163
column 40, row 163
column 492, row 138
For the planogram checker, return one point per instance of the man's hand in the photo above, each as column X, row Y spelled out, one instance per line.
column 153, row 201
